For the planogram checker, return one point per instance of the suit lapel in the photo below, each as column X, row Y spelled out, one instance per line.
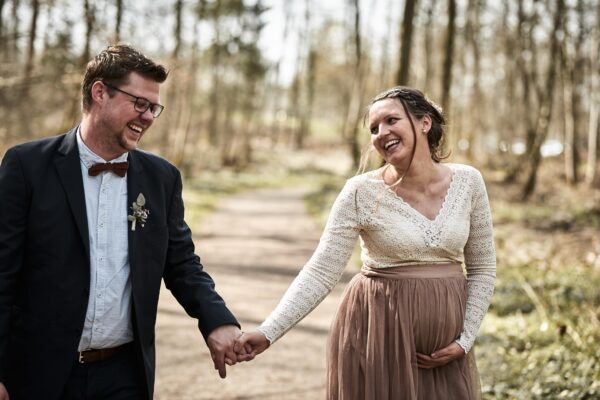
column 135, row 186
column 69, row 171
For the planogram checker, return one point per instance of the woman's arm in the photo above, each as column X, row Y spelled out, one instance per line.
column 318, row 276
column 480, row 262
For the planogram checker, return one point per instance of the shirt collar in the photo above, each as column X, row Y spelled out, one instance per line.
column 89, row 158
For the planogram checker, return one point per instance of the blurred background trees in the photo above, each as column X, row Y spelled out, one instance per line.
column 518, row 79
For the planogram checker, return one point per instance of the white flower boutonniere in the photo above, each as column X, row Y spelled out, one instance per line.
column 139, row 213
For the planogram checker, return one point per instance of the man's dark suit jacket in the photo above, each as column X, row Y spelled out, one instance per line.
column 45, row 269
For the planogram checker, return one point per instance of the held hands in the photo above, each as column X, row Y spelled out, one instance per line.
column 251, row 343
column 440, row 357
column 228, row 346
column 220, row 342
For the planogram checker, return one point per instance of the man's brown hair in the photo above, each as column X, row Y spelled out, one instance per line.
column 113, row 66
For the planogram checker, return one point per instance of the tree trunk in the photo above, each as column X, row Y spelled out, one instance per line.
column 177, row 29
column 509, row 86
column 591, row 170
column 577, row 78
column 175, row 95
column 192, row 135
column 49, row 29
column 35, row 10
column 472, row 33
column 449, row 56
column 231, row 104
column 546, row 103
column 386, row 79
column 402, row 77
column 250, row 116
column 177, row 132
column 569, row 122
column 89, row 14
column 275, row 100
column 215, row 101
column 525, row 69
column 119, row 18
column 2, row 35
column 430, row 60
column 71, row 114
column 14, row 47
column 351, row 131
column 592, row 145
column 306, row 114
column 306, row 106
column 573, row 66
column 359, row 78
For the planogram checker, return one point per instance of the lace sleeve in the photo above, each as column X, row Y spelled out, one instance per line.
column 324, row 269
column 480, row 262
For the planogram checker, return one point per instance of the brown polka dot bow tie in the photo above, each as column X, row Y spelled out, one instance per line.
column 119, row 168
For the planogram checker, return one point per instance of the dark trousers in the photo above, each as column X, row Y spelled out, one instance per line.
column 118, row 378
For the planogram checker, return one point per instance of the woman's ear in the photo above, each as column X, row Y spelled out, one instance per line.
column 425, row 124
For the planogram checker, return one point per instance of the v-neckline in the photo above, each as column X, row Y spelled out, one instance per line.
column 417, row 212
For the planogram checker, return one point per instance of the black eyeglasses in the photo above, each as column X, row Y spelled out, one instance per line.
column 141, row 104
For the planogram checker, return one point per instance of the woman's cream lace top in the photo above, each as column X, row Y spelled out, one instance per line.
column 392, row 234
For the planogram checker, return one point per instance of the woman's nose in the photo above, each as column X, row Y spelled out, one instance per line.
column 382, row 129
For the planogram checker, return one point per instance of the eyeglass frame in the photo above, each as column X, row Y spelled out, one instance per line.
column 136, row 105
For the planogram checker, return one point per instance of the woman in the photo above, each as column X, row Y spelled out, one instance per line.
column 408, row 320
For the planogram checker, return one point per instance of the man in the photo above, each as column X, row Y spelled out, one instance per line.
column 88, row 228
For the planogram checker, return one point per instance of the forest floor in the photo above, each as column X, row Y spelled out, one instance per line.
column 539, row 340
column 253, row 245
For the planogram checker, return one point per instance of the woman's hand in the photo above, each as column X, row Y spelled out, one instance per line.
column 252, row 343
column 3, row 392
column 440, row 357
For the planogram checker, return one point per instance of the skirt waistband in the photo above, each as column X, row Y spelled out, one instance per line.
column 446, row 270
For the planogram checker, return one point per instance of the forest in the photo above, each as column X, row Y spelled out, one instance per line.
column 256, row 85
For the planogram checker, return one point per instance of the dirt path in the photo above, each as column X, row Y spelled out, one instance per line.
column 253, row 245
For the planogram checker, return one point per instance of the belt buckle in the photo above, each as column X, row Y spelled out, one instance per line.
column 80, row 358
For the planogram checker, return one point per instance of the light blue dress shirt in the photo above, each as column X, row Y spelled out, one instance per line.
column 108, row 318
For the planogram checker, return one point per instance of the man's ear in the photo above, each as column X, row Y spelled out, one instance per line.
column 98, row 91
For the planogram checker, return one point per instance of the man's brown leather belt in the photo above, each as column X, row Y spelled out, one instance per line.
column 91, row 356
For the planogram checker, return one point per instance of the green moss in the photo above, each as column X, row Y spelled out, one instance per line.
column 542, row 344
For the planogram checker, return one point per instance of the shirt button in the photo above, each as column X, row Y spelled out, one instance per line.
column 99, row 295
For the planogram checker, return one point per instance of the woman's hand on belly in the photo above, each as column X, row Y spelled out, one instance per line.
column 440, row 357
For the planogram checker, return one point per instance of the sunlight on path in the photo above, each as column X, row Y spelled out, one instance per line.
column 253, row 245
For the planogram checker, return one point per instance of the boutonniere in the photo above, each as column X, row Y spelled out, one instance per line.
column 138, row 212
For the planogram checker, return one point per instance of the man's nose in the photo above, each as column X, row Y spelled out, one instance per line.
column 147, row 115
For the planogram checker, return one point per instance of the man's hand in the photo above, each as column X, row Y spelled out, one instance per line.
column 252, row 343
column 440, row 357
column 220, row 343
column 3, row 392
